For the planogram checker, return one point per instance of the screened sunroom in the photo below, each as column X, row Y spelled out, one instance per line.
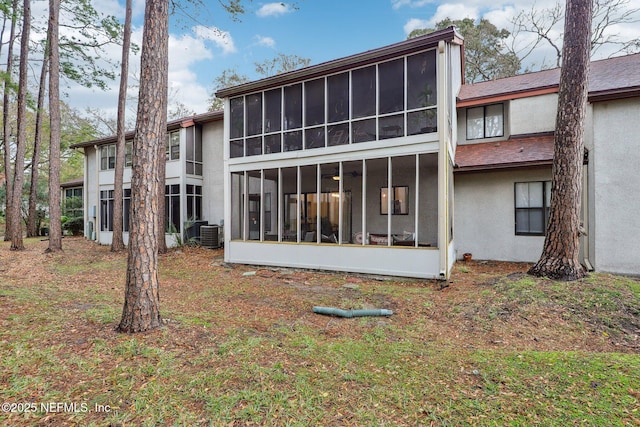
column 341, row 166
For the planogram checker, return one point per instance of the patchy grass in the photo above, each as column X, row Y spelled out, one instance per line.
column 492, row 347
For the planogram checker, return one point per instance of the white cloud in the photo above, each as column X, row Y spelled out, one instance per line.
column 397, row 4
column 265, row 41
column 454, row 11
column 274, row 9
column 221, row 38
column 448, row 10
column 416, row 24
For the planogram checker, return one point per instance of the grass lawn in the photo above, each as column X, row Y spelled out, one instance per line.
column 241, row 346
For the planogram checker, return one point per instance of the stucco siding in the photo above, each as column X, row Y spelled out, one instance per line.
column 533, row 115
column 615, row 160
column 91, row 196
column 485, row 216
column 213, row 172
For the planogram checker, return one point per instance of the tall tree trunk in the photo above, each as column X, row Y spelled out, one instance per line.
column 559, row 259
column 141, row 311
column 7, row 130
column 32, row 220
column 117, row 242
column 17, row 242
column 162, row 218
column 55, row 223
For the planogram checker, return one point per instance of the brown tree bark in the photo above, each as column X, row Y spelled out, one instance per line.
column 7, row 130
column 141, row 311
column 117, row 242
column 17, row 242
column 162, row 219
column 55, row 214
column 559, row 259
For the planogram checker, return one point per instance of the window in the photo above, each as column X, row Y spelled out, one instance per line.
column 106, row 210
column 532, row 201
column 172, row 150
column 194, row 202
column 395, row 98
column 485, row 122
column 108, row 157
column 172, row 208
column 73, row 202
column 335, row 202
column 194, row 151
column 128, row 154
column 399, row 204
column 126, row 208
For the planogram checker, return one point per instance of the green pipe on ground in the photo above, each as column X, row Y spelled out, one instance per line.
column 352, row 313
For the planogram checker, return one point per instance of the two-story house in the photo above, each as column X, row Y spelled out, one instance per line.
column 504, row 157
column 352, row 165
column 347, row 165
column 193, row 182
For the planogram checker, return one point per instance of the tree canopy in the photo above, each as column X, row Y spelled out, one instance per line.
column 280, row 64
column 486, row 55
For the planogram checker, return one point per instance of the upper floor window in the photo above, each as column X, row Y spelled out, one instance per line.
column 391, row 99
column 172, row 146
column 532, row 203
column 128, row 153
column 194, row 150
column 485, row 122
column 108, row 155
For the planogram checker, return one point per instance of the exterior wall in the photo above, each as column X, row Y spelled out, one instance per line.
column 485, row 216
column 213, row 172
column 533, row 115
column 522, row 116
column 404, row 262
column 616, row 199
column 91, row 196
column 97, row 180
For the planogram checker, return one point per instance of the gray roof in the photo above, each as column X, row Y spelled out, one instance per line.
column 609, row 78
column 207, row 117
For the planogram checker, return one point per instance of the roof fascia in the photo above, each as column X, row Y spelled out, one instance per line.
column 427, row 41
column 492, row 99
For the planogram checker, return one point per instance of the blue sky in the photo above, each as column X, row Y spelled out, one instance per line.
column 321, row 30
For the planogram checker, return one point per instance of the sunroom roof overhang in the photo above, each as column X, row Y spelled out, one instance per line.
column 416, row 44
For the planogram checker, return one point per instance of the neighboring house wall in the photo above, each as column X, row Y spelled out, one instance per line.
column 180, row 174
column 91, row 195
column 533, row 115
column 615, row 160
column 485, row 216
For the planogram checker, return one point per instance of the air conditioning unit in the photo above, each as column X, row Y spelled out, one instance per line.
column 209, row 236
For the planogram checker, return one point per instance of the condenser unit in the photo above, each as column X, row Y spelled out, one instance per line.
column 209, row 236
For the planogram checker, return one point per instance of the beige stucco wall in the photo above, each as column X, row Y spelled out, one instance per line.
column 485, row 216
column 213, row 172
column 91, row 197
column 521, row 117
column 616, row 198
column 533, row 115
